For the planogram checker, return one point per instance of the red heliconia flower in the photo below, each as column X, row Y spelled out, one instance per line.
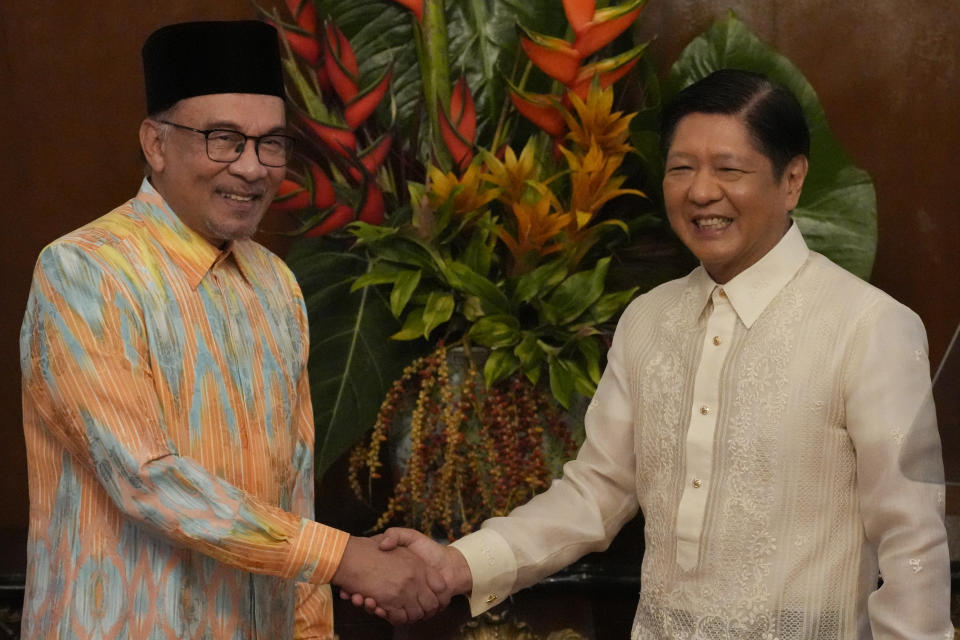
column 416, row 6
column 373, row 208
column 459, row 130
column 358, row 109
column 323, row 194
column 290, row 197
column 304, row 13
column 372, row 157
column 306, row 47
column 304, row 44
column 338, row 218
column 323, row 78
column 463, row 110
column 293, row 196
column 340, row 140
column 340, row 63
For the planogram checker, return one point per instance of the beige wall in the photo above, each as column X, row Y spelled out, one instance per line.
column 886, row 72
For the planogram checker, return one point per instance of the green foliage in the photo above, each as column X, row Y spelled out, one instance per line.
column 547, row 317
column 352, row 358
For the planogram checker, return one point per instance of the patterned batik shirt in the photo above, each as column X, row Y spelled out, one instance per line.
column 169, row 438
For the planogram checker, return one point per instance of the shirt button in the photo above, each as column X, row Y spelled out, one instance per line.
column 723, row 294
column 717, row 340
column 491, row 598
column 704, row 409
column 697, row 483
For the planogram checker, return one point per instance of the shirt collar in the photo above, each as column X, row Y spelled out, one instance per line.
column 188, row 249
column 754, row 288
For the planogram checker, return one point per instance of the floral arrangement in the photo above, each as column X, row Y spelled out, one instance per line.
column 498, row 245
column 441, row 213
column 494, row 250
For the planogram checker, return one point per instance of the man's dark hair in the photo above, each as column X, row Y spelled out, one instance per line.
column 772, row 114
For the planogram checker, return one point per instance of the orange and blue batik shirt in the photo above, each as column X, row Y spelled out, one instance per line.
column 169, row 438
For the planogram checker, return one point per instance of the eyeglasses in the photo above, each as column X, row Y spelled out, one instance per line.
column 226, row 145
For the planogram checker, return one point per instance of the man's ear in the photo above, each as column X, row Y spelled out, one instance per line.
column 793, row 177
column 152, row 144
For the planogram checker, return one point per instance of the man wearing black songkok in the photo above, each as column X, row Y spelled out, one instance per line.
column 166, row 403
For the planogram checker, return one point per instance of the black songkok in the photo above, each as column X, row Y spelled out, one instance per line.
column 199, row 58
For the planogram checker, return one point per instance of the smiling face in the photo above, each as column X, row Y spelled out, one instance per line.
column 220, row 201
column 722, row 197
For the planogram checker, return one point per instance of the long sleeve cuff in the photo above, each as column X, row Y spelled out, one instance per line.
column 493, row 567
column 316, row 553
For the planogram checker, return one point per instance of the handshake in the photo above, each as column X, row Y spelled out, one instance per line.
column 401, row 575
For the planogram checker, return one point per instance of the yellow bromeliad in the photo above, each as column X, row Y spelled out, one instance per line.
column 597, row 122
column 593, row 182
column 539, row 229
column 468, row 192
column 599, row 143
column 513, row 173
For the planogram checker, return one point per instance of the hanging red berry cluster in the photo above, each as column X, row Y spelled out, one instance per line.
column 475, row 452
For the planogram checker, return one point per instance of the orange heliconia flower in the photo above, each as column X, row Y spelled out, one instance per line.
column 562, row 60
column 605, row 25
column 554, row 56
column 541, row 109
column 579, row 13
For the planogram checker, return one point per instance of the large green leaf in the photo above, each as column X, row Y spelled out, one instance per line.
column 576, row 294
column 353, row 361
column 838, row 209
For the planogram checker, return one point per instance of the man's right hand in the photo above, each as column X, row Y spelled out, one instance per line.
column 447, row 561
column 404, row 587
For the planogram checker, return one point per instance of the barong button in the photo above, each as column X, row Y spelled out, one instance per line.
column 704, row 409
column 717, row 340
column 491, row 598
column 697, row 483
